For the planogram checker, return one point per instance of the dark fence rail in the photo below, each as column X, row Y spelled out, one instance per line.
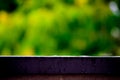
column 11, row 66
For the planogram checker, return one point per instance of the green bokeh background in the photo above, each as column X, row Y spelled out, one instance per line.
column 60, row 27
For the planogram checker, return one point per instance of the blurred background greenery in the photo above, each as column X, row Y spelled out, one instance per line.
column 60, row 27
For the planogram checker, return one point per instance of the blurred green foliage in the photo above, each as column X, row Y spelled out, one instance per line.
column 60, row 27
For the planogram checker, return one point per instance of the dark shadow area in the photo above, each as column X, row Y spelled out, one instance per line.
column 8, row 5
